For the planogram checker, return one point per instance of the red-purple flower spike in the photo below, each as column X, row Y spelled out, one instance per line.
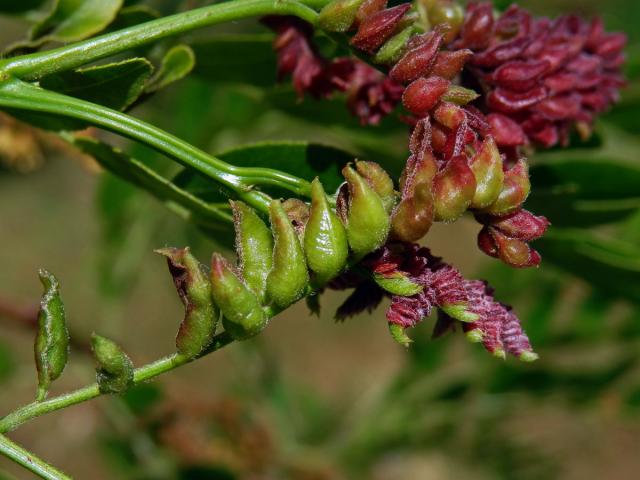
column 376, row 29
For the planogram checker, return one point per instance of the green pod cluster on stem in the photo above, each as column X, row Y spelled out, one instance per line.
column 52, row 339
column 201, row 316
column 115, row 369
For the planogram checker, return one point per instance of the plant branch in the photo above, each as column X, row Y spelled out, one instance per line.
column 141, row 375
column 36, row 65
column 29, row 461
column 240, row 180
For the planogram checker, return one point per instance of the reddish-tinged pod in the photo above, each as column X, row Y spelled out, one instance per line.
column 515, row 190
column 449, row 64
column 449, row 115
column 376, row 29
column 478, row 26
column 508, row 101
column 520, row 76
column 486, row 166
column 486, row 243
column 514, row 252
column 522, row 224
column 369, row 8
column 506, row 132
column 419, row 60
column 454, row 188
column 423, row 94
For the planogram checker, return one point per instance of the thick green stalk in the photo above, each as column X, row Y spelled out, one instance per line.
column 28, row 460
column 141, row 375
column 25, row 96
column 36, row 65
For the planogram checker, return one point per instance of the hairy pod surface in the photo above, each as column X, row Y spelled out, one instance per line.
column 242, row 312
column 289, row 275
column 115, row 369
column 486, row 165
column 254, row 246
column 368, row 222
column 52, row 339
column 325, row 239
column 200, row 317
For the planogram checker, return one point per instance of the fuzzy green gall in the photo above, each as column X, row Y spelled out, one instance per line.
column 115, row 369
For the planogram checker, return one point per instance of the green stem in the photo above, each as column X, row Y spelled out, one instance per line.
column 36, row 65
column 29, row 461
column 141, row 375
column 25, row 96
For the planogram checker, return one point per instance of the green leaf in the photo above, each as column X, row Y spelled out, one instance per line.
column 73, row 20
column 177, row 63
column 584, row 190
column 136, row 172
column 236, row 59
column 609, row 264
column 302, row 159
column 115, row 85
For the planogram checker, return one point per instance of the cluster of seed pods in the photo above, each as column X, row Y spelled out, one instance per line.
column 456, row 163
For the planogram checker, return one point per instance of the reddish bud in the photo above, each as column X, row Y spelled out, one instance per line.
column 454, row 188
column 514, row 252
column 522, row 224
column 486, row 242
column 449, row 115
column 506, row 132
column 369, row 8
column 377, row 29
column 478, row 26
column 449, row 64
column 515, row 190
column 423, row 94
column 508, row 101
column 520, row 76
column 417, row 62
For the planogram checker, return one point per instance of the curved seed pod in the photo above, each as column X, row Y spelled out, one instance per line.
column 115, row 369
column 394, row 48
column 52, row 340
column 418, row 61
column 254, row 246
column 423, row 94
column 380, row 181
column 512, row 251
column 486, row 166
column 325, row 239
column 200, row 316
column 453, row 189
column 289, row 275
column 367, row 220
column 449, row 64
column 376, row 29
column 339, row 15
column 515, row 190
column 243, row 314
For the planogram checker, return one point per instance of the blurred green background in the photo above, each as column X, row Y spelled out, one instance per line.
column 312, row 399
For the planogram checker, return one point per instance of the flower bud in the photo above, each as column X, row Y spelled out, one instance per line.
column 486, row 166
column 506, row 132
column 417, row 62
column 478, row 26
column 52, row 339
column 339, row 15
column 289, row 275
column 454, row 188
column 512, row 251
column 423, row 94
column 376, row 29
column 325, row 238
column 515, row 189
column 394, row 48
column 459, row 95
column 200, row 316
column 243, row 314
column 115, row 369
column 380, row 181
column 369, row 8
column 522, row 224
column 449, row 64
column 367, row 219
column 254, row 246
column 449, row 115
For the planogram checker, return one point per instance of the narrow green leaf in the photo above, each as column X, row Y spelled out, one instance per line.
column 584, row 190
column 73, row 20
column 115, row 369
column 177, row 63
column 115, row 85
column 52, row 338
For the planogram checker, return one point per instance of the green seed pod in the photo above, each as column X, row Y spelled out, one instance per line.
column 454, row 188
column 115, row 369
column 325, row 239
column 380, row 181
column 289, row 275
column 486, row 166
column 52, row 340
column 339, row 15
column 515, row 190
column 393, row 49
column 200, row 318
column 368, row 222
column 243, row 314
column 397, row 284
column 254, row 246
